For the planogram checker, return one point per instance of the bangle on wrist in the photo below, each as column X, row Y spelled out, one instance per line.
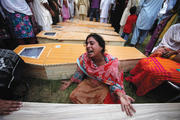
column 172, row 56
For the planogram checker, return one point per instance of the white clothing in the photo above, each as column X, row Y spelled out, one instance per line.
column 104, row 7
column 103, row 20
column 76, row 9
column 164, row 8
column 13, row 6
column 83, row 7
column 60, row 2
column 171, row 38
column 42, row 15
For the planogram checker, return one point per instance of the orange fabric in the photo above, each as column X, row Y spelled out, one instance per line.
column 153, row 71
column 89, row 93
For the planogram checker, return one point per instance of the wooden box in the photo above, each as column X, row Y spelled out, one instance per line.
column 58, row 61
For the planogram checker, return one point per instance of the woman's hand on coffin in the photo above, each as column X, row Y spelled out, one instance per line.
column 126, row 104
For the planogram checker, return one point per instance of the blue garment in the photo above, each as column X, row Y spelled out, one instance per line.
column 148, row 13
column 138, row 36
column 171, row 4
column 125, row 36
column 146, row 18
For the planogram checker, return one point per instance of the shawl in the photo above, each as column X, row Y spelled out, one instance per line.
column 13, row 6
column 107, row 73
column 171, row 38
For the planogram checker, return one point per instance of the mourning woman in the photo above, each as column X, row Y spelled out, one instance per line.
column 100, row 80
column 162, row 65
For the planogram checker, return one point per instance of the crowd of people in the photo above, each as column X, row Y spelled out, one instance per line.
column 97, row 72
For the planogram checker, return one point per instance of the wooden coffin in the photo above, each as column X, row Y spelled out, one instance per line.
column 84, row 30
column 86, row 25
column 58, row 61
column 74, row 37
column 86, row 22
column 51, row 111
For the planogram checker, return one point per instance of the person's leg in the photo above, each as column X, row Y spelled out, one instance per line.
column 126, row 36
column 101, row 20
column 142, row 36
column 97, row 14
column 83, row 17
column 121, row 30
column 105, row 20
column 80, row 16
column 135, row 36
column 91, row 14
column 123, row 34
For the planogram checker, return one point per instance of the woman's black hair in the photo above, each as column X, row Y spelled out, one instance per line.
column 99, row 39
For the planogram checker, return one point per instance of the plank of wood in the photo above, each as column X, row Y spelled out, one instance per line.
column 88, row 22
column 56, row 53
column 86, row 25
column 51, row 111
column 75, row 37
column 58, row 61
column 84, row 30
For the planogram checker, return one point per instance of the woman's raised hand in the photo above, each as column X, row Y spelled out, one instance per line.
column 65, row 84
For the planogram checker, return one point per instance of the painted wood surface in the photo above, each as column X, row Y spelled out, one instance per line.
column 80, row 24
column 89, row 22
column 58, row 61
column 75, row 37
column 84, row 30
column 48, row 111
column 56, row 53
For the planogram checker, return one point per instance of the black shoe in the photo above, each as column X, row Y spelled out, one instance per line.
column 131, row 45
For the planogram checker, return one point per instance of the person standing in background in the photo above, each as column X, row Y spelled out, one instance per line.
column 17, row 14
column 126, row 13
column 6, row 41
column 83, row 6
column 165, row 18
column 149, row 10
column 56, row 9
column 131, row 20
column 120, row 6
column 43, row 14
column 105, row 6
column 71, row 8
column 65, row 11
column 94, row 10
column 76, row 9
